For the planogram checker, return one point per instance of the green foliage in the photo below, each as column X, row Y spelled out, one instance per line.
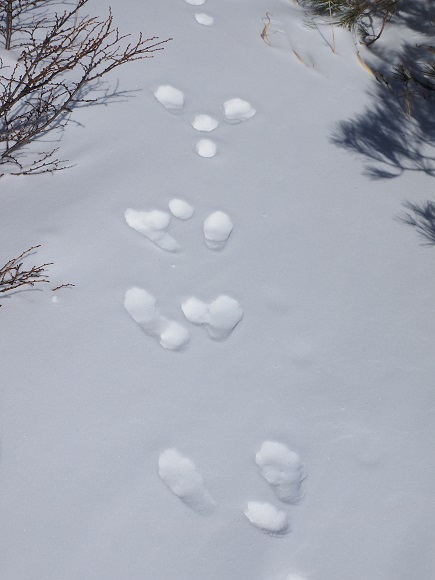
column 360, row 16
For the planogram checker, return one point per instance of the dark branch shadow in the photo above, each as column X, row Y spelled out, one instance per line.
column 422, row 218
column 390, row 137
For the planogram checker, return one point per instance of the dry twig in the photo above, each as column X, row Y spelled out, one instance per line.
column 13, row 276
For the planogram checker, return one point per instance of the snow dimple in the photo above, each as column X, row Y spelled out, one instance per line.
column 195, row 2
column 204, row 19
column 217, row 229
column 184, row 480
column 206, row 148
column 204, row 123
column 282, row 469
column 170, row 97
column 142, row 307
column 152, row 224
column 181, row 209
column 237, row 110
column 267, row 518
column 220, row 317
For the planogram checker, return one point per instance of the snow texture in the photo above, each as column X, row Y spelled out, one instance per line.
column 267, row 518
column 282, row 469
column 153, row 225
column 142, row 307
column 181, row 209
column 204, row 123
column 184, row 480
column 195, row 2
column 204, row 19
column 170, row 97
column 237, row 110
column 217, row 229
column 220, row 317
column 206, row 148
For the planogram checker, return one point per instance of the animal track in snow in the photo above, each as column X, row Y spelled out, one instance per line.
column 220, row 317
column 282, row 469
column 184, row 480
column 153, row 225
column 181, row 209
column 237, row 110
column 206, row 148
column 204, row 123
column 204, row 19
column 170, row 97
column 195, row 2
column 217, row 229
column 142, row 307
column 267, row 518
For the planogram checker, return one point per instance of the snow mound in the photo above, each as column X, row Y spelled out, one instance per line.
column 267, row 518
column 142, row 307
column 220, row 317
column 204, row 19
column 181, row 209
column 170, row 97
column 204, row 123
column 184, row 480
column 282, row 469
column 152, row 224
column 217, row 229
column 238, row 110
column 206, row 148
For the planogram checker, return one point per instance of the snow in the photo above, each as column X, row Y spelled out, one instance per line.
column 217, row 229
column 184, row 480
column 238, row 110
column 204, row 19
column 142, row 307
column 267, row 518
column 205, row 123
column 181, row 209
column 220, row 316
column 170, row 97
column 206, row 148
column 246, row 393
column 282, row 469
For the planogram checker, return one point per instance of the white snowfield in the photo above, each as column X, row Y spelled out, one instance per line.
column 230, row 373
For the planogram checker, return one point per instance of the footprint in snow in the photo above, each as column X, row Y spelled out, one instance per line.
column 181, row 209
column 142, row 307
column 204, row 123
column 237, row 110
column 220, row 317
column 282, row 469
column 184, row 480
column 267, row 518
column 204, row 19
column 217, row 229
column 170, row 97
column 153, row 225
column 206, row 148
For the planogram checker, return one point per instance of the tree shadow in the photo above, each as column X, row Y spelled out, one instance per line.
column 396, row 133
column 422, row 218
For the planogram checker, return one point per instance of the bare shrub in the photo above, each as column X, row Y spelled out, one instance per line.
column 13, row 275
column 62, row 59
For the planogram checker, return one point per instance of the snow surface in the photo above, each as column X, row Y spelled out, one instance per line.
column 333, row 357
